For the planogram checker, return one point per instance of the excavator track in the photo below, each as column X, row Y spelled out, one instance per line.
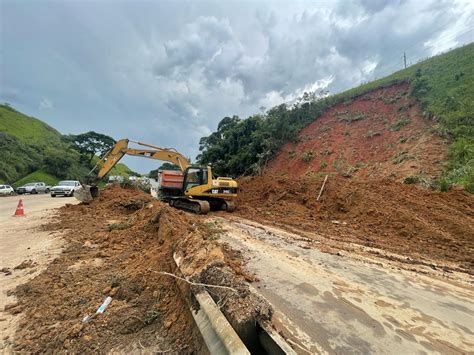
column 191, row 205
column 228, row 206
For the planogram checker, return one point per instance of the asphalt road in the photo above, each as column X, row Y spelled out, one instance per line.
column 21, row 240
column 336, row 304
column 33, row 204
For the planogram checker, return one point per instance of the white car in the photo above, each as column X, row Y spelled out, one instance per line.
column 65, row 188
column 33, row 188
column 6, row 190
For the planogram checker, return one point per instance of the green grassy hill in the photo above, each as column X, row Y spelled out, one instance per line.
column 31, row 151
column 443, row 85
column 38, row 175
column 27, row 129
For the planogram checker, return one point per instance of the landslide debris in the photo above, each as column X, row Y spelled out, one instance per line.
column 408, row 220
column 118, row 246
column 383, row 133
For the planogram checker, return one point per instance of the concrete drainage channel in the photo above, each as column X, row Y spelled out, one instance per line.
column 221, row 338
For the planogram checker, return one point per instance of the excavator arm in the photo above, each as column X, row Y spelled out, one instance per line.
column 113, row 156
column 121, row 148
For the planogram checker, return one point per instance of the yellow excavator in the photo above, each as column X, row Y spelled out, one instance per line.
column 200, row 191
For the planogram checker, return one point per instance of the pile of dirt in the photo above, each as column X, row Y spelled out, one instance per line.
column 380, row 134
column 405, row 219
column 118, row 246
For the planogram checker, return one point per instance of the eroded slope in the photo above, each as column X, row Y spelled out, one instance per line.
column 380, row 134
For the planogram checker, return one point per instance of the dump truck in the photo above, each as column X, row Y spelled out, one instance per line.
column 170, row 183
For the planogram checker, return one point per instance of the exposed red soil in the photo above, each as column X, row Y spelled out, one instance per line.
column 118, row 246
column 100, row 261
column 366, row 137
column 405, row 219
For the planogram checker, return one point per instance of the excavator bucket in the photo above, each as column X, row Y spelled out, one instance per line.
column 86, row 193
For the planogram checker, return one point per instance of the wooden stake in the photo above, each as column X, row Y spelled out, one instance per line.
column 322, row 188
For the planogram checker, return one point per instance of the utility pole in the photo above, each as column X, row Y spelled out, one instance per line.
column 405, row 59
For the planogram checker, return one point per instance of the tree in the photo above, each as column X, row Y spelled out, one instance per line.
column 90, row 144
column 63, row 162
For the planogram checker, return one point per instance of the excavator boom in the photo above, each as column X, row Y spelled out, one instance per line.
column 121, row 148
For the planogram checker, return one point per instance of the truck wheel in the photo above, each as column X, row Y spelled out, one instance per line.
column 33, row 192
column 46, row 191
column 53, row 195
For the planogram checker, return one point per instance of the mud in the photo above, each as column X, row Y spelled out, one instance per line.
column 118, row 246
column 418, row 224
column 330, row 303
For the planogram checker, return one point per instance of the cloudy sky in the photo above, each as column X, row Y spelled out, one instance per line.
column 166, row 72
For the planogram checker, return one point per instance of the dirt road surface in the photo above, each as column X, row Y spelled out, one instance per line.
column 330, row 303
column 25, row 250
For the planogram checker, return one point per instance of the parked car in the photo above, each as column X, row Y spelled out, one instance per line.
column 33, row 188
column 6, row 190
column 65, row 188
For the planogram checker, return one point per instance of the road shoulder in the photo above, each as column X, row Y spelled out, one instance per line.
column 25, row 251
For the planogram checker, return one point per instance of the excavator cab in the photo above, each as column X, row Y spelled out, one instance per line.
column 199, row 184
column 194, row 176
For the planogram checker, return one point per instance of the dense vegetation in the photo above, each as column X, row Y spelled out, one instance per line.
column 444, row 86
column 33, row 151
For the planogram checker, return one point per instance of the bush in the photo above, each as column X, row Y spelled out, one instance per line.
column 469, row 184
column 401, row 156
column 349, row 117
column 399, row 124
column 307, row 156
column 443, row 185
column 411, row 180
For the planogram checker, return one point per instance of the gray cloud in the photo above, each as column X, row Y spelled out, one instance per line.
column 167, row 72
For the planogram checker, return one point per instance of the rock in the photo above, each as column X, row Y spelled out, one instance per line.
column 10, row 306
column 87, row 338
column 113, row 291
column 75, row 330
column 25, row 264
column 87, row 244
column 6, row 271
column 106, row 290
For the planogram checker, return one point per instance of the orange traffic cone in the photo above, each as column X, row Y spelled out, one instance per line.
column 20, row 212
